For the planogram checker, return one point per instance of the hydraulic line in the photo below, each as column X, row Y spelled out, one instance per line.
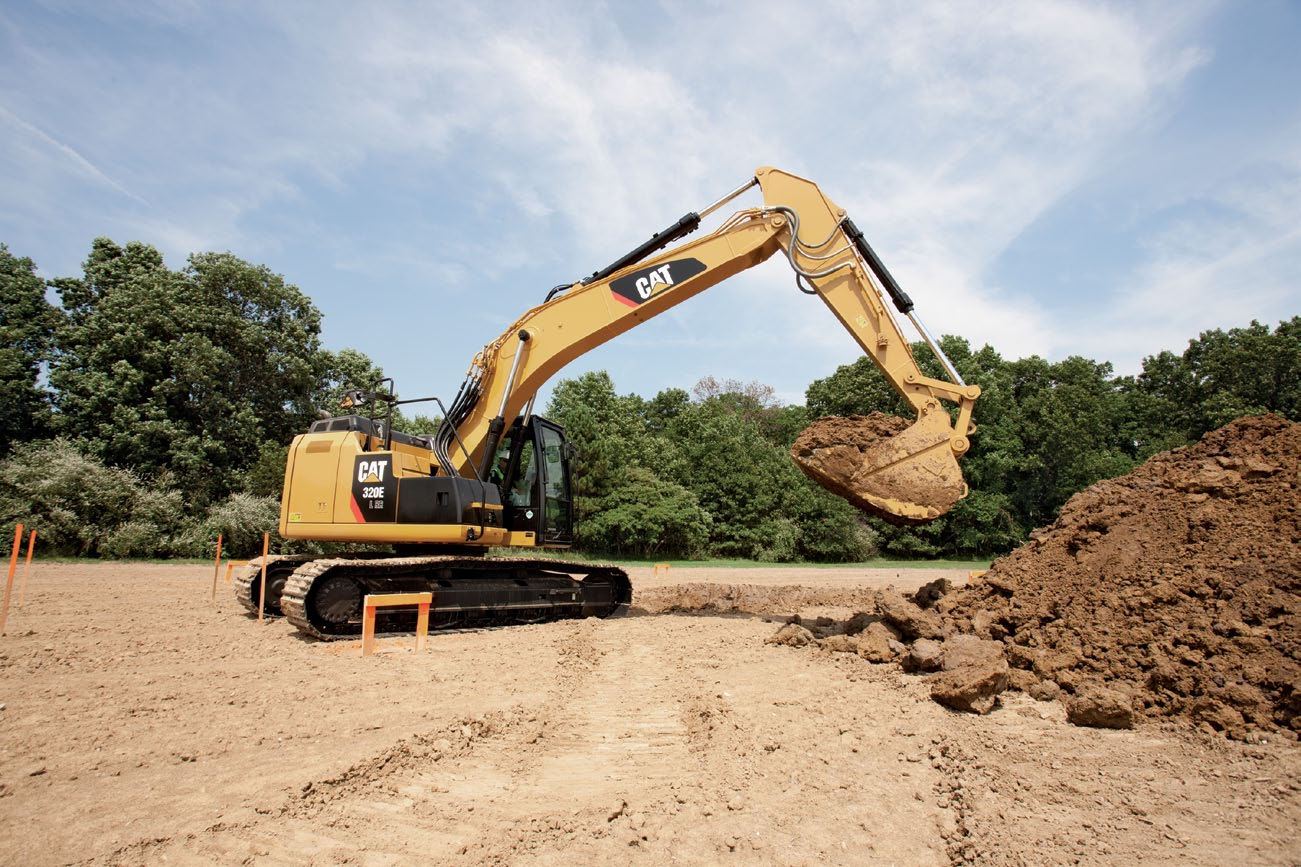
column 877, row 272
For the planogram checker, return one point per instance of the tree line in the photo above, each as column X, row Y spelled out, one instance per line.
column 150, row 408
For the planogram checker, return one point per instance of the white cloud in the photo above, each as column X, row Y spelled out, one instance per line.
column 547, row 140
column 69, row 154
column 1232, row 256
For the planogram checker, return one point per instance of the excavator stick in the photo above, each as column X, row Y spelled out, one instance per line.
column 902, row 473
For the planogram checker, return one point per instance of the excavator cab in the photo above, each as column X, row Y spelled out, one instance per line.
column 533, row 474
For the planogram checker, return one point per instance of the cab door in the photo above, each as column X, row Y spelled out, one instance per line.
column 552, row 456
column 538, row 495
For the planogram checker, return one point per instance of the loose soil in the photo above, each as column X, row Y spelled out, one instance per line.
column 1178, row 584
column 143, row 723
column 830, row 452
column 878, row 464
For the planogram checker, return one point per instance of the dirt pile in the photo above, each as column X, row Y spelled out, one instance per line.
column 1177, row 585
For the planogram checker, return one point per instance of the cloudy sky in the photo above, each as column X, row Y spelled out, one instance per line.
column 1048, row 177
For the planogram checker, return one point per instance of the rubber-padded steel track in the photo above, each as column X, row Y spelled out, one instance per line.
column 323, row 597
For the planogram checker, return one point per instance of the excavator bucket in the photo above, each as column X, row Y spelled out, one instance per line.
column 905, row 474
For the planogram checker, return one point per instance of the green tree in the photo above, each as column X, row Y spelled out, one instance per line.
column 757, row 405
column 27, row 325
column 712, row 463
column 645, row 516
column 735, row 474
column 858, row 388
column 82, row 507
column 191, row 372
column 610, row 437
column 761, row 505
column 345, row 370
column 1222, row 375
column 1044, row 431
column 1066, row 431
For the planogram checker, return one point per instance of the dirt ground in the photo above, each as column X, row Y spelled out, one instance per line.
column 144, row 724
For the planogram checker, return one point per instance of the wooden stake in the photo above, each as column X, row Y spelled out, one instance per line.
column 262, row 594
column 384, row 600
column 216, row 569
column 422, row 625
column 9, row 582
column 368, row 630
column 230, row 564
column 22, row 587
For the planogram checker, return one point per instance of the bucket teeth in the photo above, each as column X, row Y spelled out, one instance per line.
column 905, row 474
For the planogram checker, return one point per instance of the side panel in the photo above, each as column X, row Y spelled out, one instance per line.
column 311, row 495
column 433, row 534
column 335, row 491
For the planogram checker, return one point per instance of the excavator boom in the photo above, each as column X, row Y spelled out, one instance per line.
column 444, row 500
column 910, row 476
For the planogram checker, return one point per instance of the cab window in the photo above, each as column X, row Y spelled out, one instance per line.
column 557, row 519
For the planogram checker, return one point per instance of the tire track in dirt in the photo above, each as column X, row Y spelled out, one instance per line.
column 487, row 789
column 387, row 805
column 622, row 730
column 607, row 742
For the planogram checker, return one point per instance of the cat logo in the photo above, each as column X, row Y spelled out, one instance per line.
column 657, row 280
column 645, row 283
column 371, row 471
column 374, row 490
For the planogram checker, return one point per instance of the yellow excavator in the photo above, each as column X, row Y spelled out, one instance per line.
column 495, row 474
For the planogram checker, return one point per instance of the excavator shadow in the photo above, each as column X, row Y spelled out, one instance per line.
column 825, row 618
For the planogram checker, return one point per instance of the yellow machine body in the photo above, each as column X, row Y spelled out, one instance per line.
column 494, row 474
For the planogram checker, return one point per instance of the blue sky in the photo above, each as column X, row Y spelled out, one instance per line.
column 1051, row 178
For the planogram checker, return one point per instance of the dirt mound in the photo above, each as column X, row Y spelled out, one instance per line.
column 1178, row 584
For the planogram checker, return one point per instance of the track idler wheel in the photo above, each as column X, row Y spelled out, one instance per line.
column 334, row 605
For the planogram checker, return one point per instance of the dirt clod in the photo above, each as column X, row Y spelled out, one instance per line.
column 973, row 687
column 930, row 593
column 1100, row 707
column 907, row 617
column 1044, row 690
column 875, row 643
column 791, row 635
column 964, row 650
column 839, row 644
column 924, row 655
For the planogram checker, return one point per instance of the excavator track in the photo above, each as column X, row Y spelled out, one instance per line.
column 323, row 597
column 279, row 567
